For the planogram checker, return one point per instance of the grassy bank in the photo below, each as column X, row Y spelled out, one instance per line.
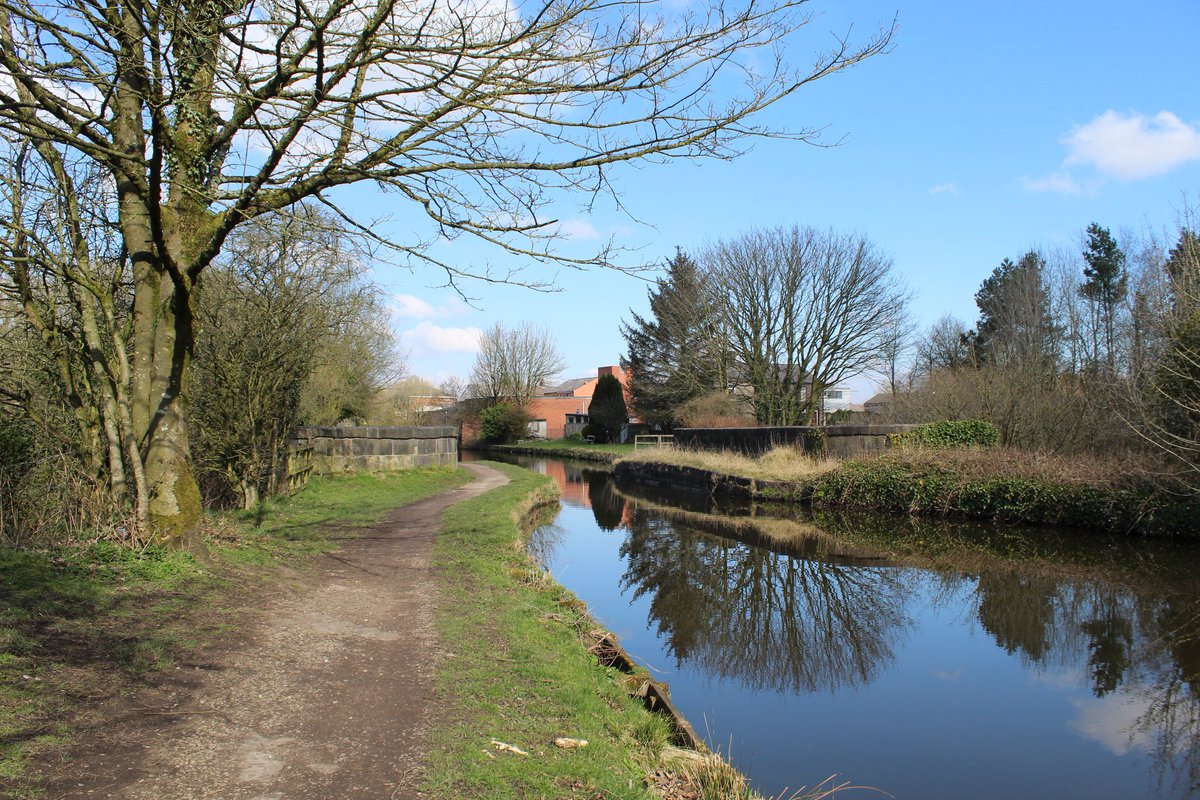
column 519, row 675
column 974, row 483
column 85, row 623
column 566, row 448
column 1010, row 486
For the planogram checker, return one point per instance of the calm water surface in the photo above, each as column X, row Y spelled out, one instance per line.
column 929, row 660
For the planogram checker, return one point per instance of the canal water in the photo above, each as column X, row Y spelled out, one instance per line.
column 926, row 659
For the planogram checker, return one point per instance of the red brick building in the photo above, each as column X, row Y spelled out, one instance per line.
column 553, row 405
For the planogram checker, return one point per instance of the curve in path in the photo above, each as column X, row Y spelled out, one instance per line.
column 329, row 696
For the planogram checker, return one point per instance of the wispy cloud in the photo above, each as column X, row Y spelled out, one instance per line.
column 1060, row 182
column 944, row 188
column 1133, row 146
column 428, row 338
column 580, row 230
column 410, row 306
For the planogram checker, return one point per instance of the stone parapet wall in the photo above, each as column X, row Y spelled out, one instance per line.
column 844, row 441
column 379, row 448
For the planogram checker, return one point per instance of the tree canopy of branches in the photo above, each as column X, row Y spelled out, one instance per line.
column 804, row 309
column 1166, row 392
column 513, row 363
column 204, row 115
column 678, row 352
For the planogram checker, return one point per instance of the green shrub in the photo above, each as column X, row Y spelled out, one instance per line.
column 607, row 410
column 949, row 433
column 503, row 423
column 592, row 430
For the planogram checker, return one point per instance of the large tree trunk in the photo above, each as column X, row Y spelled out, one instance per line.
column 162, row 329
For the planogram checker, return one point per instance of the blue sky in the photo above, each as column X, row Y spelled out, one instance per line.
column 989, row 129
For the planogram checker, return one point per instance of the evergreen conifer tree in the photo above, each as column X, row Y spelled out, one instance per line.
column 677, row 353
column 1106, row 285
column 1015, row 324
column 607, row 411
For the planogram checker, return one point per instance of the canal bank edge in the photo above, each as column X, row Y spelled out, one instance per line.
column 893, row 486
column 889, row 484
column 528, row 666
column 581, row 453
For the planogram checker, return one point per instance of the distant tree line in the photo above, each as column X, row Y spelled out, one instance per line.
column 1094, row 349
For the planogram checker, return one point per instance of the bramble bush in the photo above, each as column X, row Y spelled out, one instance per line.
column 949, row 433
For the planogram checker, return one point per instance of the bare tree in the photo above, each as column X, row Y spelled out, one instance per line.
column 206, row 114
column 1164, row 393
column 64, row 274
column 514, row 362
column 897, row 344
column 944, row 345
column 804, row 309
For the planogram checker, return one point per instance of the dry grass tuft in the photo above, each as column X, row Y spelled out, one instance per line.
column 779, row 464
column 983, row 463
column 689, row 775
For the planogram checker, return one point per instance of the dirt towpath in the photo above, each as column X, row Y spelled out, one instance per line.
column 327, row 695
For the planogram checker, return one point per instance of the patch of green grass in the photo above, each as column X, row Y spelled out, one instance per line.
column 313, row 520
column 84, row 622
column 566, row 447
column 520, row 674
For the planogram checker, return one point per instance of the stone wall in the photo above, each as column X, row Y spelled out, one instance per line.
column 844, row 441
column 379, row 448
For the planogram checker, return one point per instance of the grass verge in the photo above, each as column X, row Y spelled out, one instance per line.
column 518, row 672
column 779, row 464
column 85, row 623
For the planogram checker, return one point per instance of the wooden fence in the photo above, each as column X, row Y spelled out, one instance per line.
column 299, row 466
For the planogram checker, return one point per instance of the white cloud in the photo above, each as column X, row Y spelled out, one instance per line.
column 412, row 307
column 1130, row 147
column 944, row 188
column 1114, row 721
column 429, row 338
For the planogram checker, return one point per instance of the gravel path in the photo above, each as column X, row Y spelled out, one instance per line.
column 327, row 695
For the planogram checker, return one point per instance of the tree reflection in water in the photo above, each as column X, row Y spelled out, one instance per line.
column 608, row 506
column 772, row 621
column 809, row 612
